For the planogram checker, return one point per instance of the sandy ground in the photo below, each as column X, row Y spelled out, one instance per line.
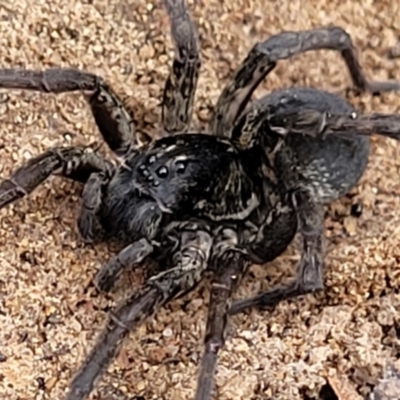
column 49, row 313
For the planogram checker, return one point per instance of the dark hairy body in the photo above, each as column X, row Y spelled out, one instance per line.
column 330, row 167
column 192, row 202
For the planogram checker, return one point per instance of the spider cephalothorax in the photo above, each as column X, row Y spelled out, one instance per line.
column 194, row 202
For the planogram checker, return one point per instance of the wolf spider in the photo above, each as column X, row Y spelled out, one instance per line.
column 162, row 201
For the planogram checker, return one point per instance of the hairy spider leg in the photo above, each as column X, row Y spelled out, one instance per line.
column 190, row 263
column 263, row 58
column 111, row 116
column 317, row 123
column 311, row 267
column 89, row 224
column 81, row 164
column 113, row 119
column 76, row 163
column 181, row 84
column 135, row 253
column 230, row 265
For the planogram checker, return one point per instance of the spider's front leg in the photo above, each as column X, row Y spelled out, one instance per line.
column 180, row 88
column 263, row 58
column 311, row 267
column 230, row 264
column 189, row 264
column 76, row 163
column 111, row 116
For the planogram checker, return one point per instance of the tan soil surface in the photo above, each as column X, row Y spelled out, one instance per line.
column 48, row 316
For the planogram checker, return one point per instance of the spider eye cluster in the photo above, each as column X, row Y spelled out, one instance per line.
column 162, row 173
column 169, row 160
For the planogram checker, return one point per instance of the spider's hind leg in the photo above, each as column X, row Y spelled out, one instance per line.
column 263, row 58
column 180, row 88
column 311, row 267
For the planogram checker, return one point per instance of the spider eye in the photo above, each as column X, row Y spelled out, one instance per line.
column 180, row 167
column 144, row 172
column 162, row 172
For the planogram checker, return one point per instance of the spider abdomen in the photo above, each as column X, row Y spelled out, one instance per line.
column 329, row 167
